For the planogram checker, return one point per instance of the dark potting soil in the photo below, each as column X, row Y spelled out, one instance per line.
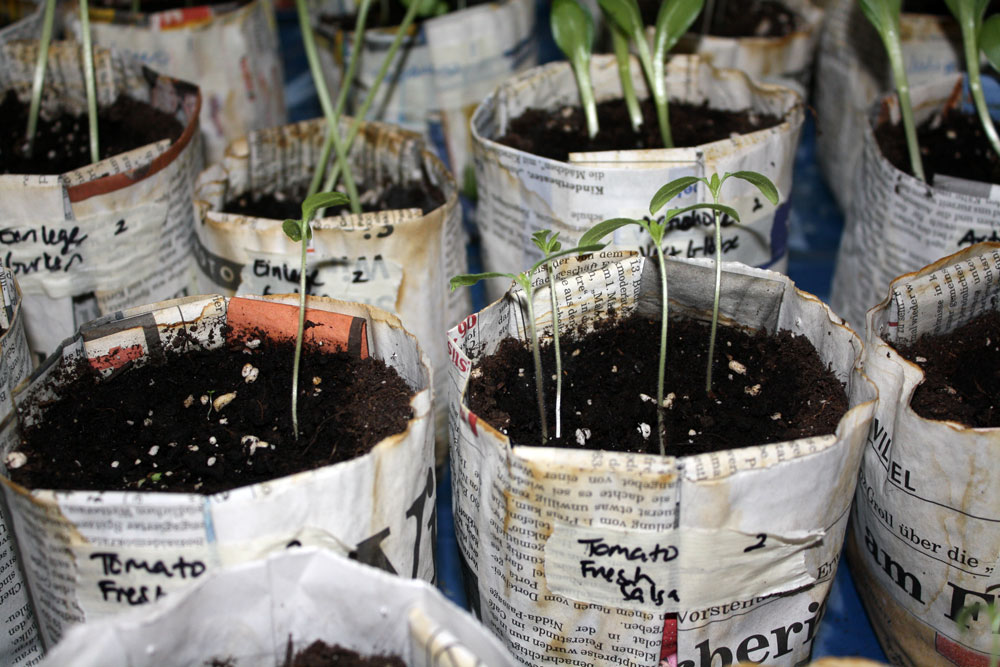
column 321, row 654
column 383, row 15
column 288, row 204
column 557, row 133
column 156, row 428
column 63, row 144
column 737, row 18
column 962, row 374
column 609, row 389
column 953, row 144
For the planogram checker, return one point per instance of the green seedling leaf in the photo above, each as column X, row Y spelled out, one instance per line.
column 469, row 279
column 320, row 200
column 603, row 228
column 292, row 229
column 669, row 191
column 544, row 243
column 989, row 40
column 883, row 14
column 428, row 7
column 579, row 250
column 573, row 32
column 763, row 183
column 673, row 20
column 625, row 13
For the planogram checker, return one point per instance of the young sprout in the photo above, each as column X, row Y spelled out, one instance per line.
column 672, row 21
column 975, row 37
column 428, row 8
column 524, row 280
column 714, row 185
column 657, row 231
column 301, row 231
column 40, row 63
column 884, row 15
column 971, row 612
column 619, row 41
column 89, row 80
column 573, row 32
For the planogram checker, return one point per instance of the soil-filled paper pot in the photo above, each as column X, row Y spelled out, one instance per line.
column 110, row 235
column 898, row 223
column 90, row 554
column 925, row 529
column 444, row 69
column 247, row 614
column 399, row 260
column 520, row 193
column 784, row 60
column 852, row 71
column 20, row 643
column 736, row 574
column 229, row 50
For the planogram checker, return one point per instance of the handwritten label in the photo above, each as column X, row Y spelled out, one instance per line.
column 371, row 279
column 674, row 570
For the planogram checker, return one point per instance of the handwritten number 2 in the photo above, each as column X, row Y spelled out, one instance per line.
column 120, row 227
column 760, row 545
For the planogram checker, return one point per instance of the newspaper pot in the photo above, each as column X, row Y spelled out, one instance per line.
column 898, row 223
column 248, row 613
column 524, row 515
column 20, row 642
column 924, row 532
column 109, row 235
column 520, row 192
column 444, row 69
column 783, row 60
column 852, row 72
column 242, row 85
column 90, row 554
column 397, row 260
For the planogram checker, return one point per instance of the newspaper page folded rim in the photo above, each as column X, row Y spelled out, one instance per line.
column 519, row 510
column 925, row 534
column 78, row 546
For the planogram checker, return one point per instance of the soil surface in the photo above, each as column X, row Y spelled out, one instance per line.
column 320, row 654
column 152, row 430
column 766, row 388
column 953, row 144
column 384, row 15
column 962, row 374
column 737, row 18
column 63, row 144
column 288, row 204
column 557, row 133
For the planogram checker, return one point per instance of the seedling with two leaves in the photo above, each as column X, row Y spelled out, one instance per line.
column 979, row 36
column 657, row 231
column 551, row 249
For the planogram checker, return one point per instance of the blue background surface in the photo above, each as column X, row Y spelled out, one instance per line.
column 815, row 226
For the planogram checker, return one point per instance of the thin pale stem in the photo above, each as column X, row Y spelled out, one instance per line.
column 715, row 301
column 586, row 97
column 555, row 346
column 89, row 80
column 905, row 105
column 40, row 64
column 976, row 87
column 537, row 357
column 661, row 430
column 655, row 75
column 408, row 18
column 333, row 130
column 298, row 335
column 620, row 43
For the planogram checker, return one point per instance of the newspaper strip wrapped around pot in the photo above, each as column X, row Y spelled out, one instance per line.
column 898, row 223
column 783, row 60
column 445, row 68
column 742, row 578
column 852, row 72
column 20, row 643
column 520, row 193
column 925, row 535
column 22, row 19
column 246, row 614
column 110, row 235
column 399, row 260
column 92, row 554
column 229, row 50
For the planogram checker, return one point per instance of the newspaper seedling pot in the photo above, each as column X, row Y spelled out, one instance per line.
column 899, row 223
column 520, row 192
column 399, row 260
column 613, row 558
column 852, row 72
column 89, row 554
column 20, row 643
column 242, row 84
column 924, row 533
column 446, row 67
column 109, row 235
column 248, row 612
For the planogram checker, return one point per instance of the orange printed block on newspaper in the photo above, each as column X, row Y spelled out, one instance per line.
column 248, row 318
